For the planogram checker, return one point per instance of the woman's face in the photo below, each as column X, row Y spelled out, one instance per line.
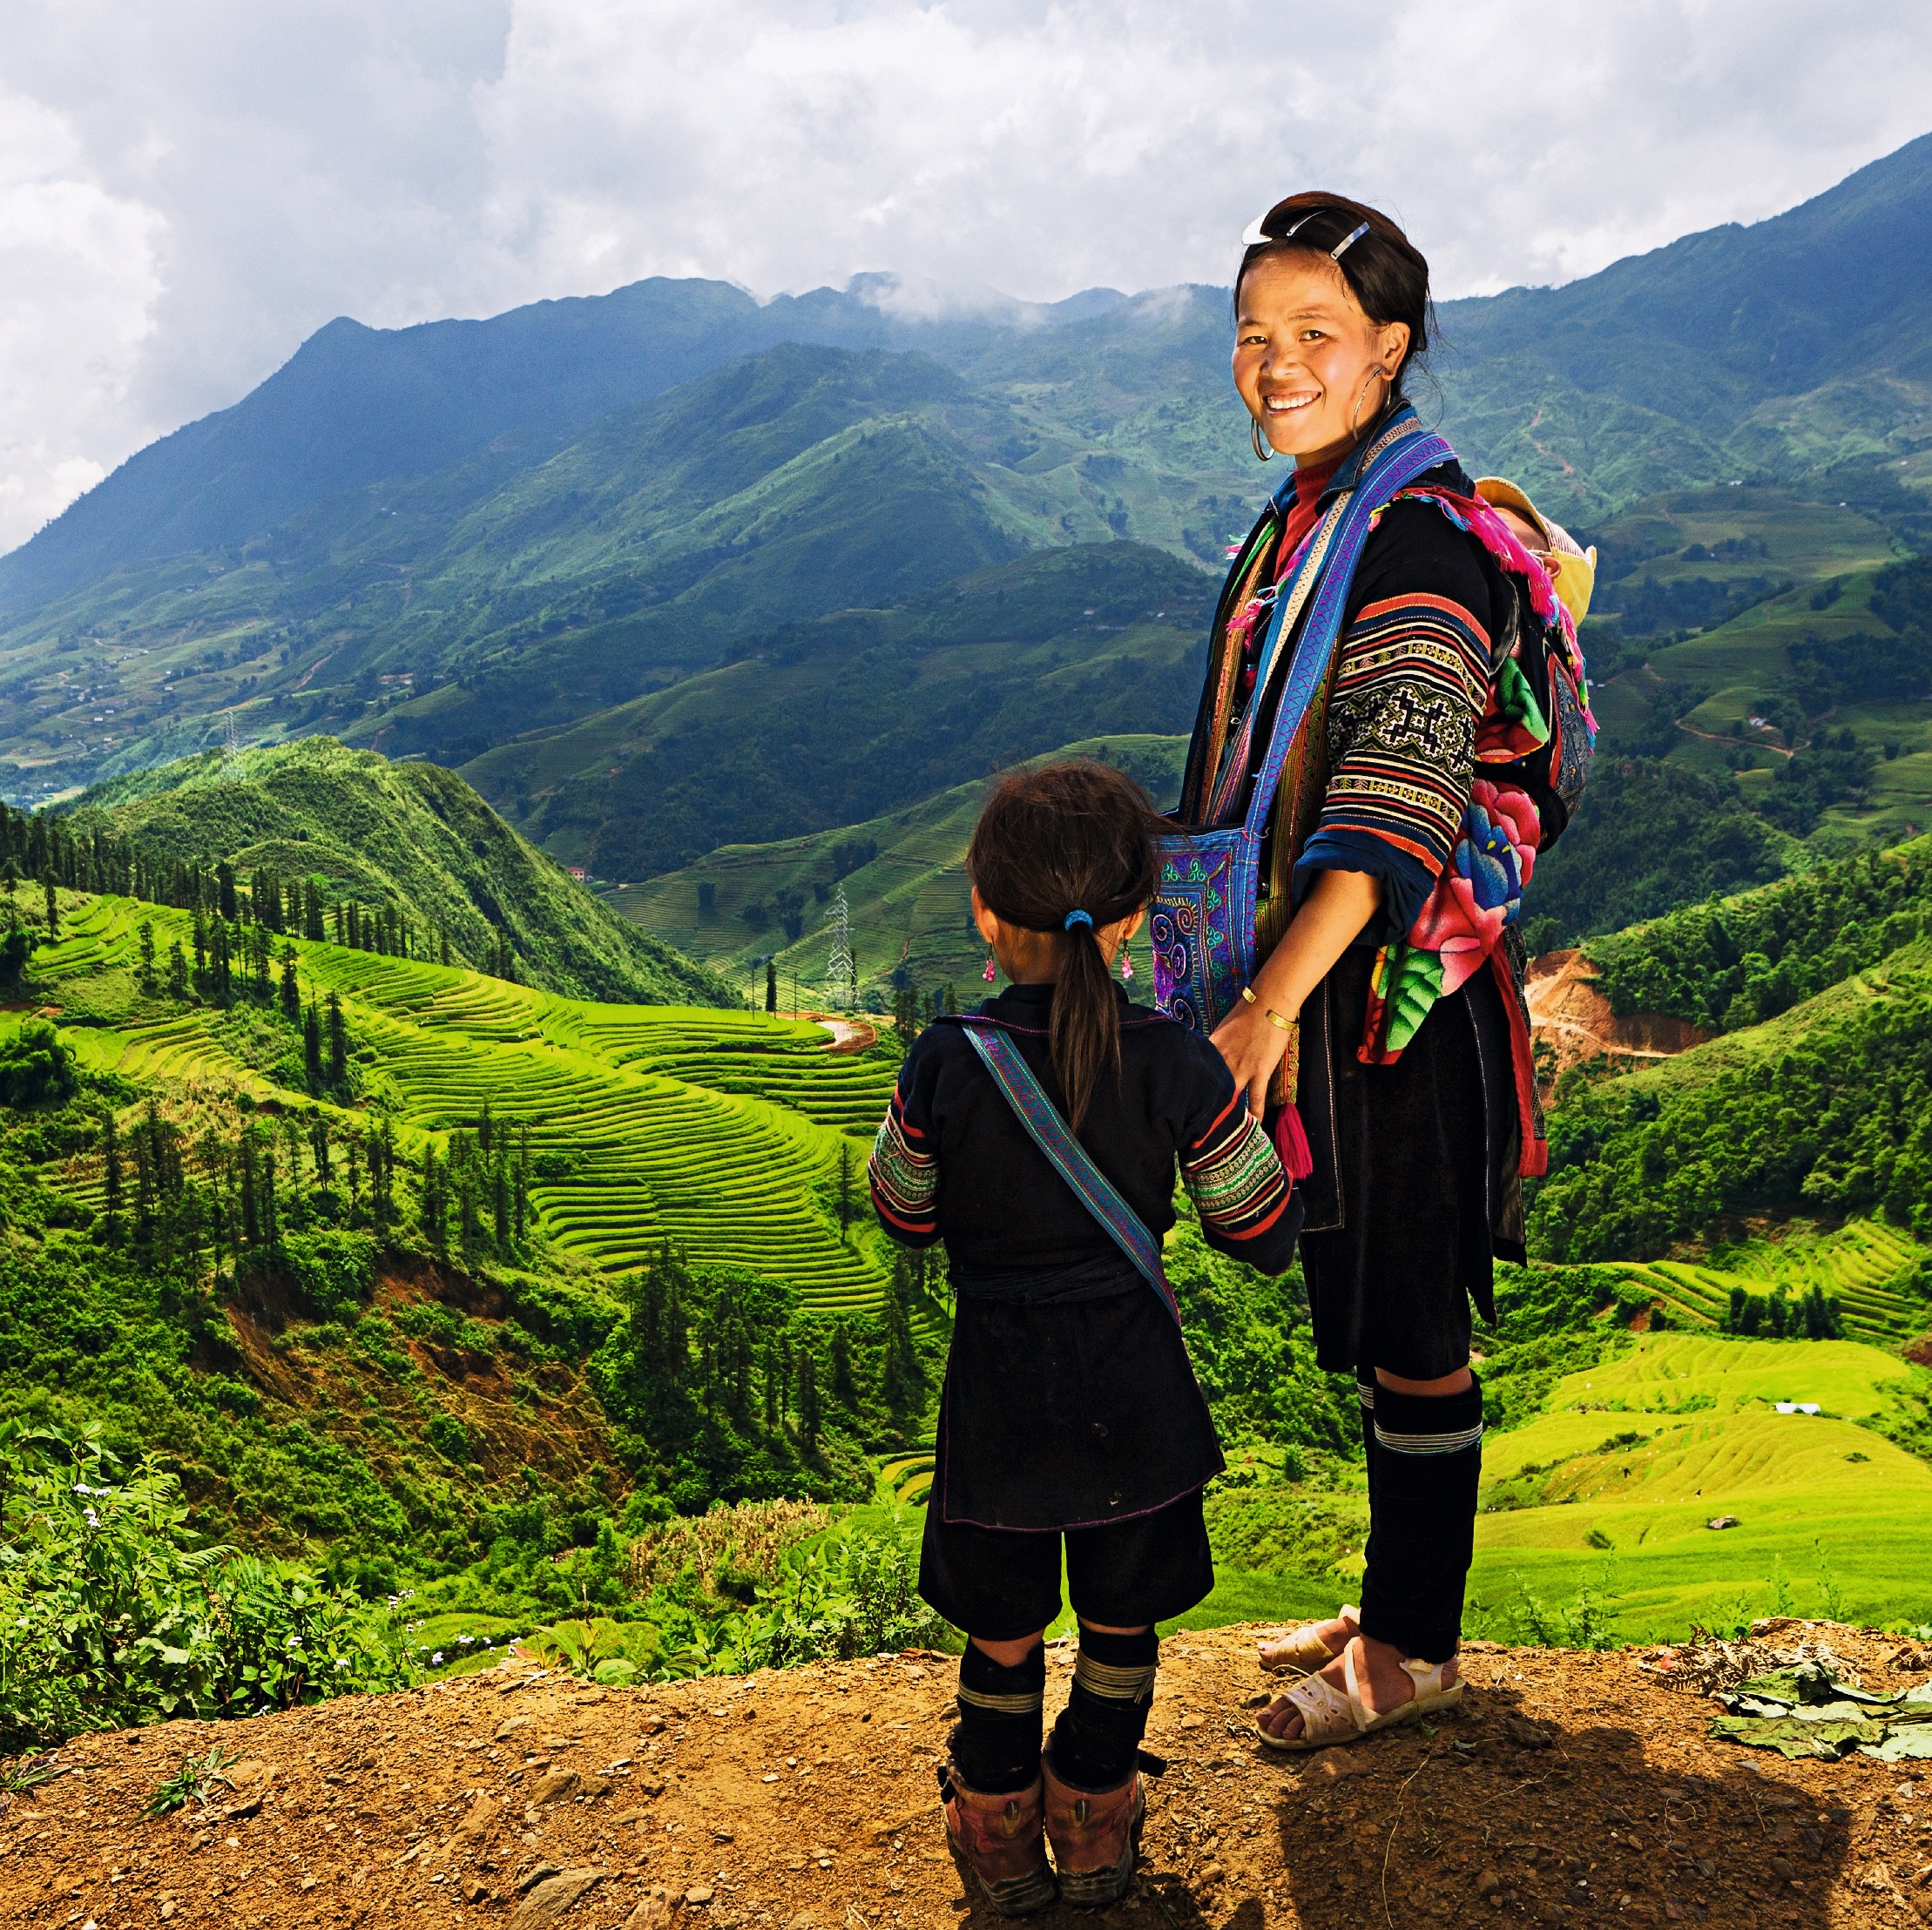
column 1311, row 365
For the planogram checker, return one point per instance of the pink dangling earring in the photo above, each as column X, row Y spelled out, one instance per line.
column 1126, row 966
column 992, row 971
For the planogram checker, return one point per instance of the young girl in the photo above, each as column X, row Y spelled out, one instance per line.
column 1069, row 1410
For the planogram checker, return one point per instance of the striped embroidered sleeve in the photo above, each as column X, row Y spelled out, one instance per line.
column 1409, row 684
column 904, row 1177
column 1236, row 1181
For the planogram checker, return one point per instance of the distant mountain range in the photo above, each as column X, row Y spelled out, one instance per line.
column 544, row 547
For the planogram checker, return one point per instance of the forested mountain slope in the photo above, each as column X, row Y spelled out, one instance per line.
column 394, row 838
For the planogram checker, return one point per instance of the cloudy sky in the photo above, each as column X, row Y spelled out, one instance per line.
column 187, row 190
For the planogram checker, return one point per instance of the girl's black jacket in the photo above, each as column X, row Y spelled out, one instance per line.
column 1068, row 1399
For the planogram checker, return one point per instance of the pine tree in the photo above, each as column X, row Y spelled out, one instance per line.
column 432, row 1201
column 221, row 967
column 177, row 970
column 290, row 992
column 312, row 1050
column 224, row 887
column 47, row 884
column 902, row 1378
column 111, row 1164
column 846, row 1165
column 771, row 985
column 338, row 1047
column 144, row 941
column 809, row 1419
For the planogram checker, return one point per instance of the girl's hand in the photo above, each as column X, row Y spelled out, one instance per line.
column 1253, row 1046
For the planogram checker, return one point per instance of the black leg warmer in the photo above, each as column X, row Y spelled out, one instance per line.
column 996, row 1744
column 1427, row 1459
column 1099, row 1733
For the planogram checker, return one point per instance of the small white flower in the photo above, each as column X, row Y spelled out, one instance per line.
column 435, row 1658
column 93, row 1520
column 466, row 1639
column 341, row 1662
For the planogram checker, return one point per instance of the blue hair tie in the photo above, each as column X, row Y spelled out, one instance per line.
column 1075, row 918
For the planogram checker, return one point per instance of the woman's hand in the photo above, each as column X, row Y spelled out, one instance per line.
column 1338, row 906
column 1253, row 1046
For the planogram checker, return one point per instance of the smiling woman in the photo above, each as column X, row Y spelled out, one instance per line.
column 1376, row 761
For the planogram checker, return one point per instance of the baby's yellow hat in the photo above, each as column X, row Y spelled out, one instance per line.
column 1572, row 569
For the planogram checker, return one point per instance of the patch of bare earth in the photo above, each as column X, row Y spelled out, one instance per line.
column 1570, row 1012
column 1567, row 1789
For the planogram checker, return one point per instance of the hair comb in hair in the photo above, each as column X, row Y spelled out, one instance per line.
column 1342, row 246
column 1256, row 235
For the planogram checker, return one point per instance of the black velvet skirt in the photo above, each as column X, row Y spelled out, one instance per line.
column 1414, row 1192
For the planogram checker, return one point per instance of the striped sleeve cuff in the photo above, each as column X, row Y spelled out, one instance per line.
column 905, row 1182
column 1234, row 1177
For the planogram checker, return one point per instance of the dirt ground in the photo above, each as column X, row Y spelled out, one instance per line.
column 1568, row 1012
column 1568, row 1788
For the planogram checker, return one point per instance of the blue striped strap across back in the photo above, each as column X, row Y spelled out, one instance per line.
column 1051, row 1134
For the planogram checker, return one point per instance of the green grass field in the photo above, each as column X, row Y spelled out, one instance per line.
column 718, row 1131
column 1632, row 1460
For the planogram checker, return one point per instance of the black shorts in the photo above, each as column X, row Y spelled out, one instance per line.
column 1001, row 1583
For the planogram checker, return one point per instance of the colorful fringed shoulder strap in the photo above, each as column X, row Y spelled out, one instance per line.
column 1051, row 1134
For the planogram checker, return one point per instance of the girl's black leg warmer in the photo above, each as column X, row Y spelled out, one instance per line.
column 1096, row 1740
column 1427, row 1458
column 996, row 1744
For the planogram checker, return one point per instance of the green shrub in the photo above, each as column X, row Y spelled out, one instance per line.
column 850, row 1595
column 113, row 1613
column 35, row 1069
column 332, row 1270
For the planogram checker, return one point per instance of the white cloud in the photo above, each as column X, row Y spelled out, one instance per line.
column 78, row 282
column 186, row 193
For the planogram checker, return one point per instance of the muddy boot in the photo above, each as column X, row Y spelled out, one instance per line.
column 996, row 1841
column 1096, row 1837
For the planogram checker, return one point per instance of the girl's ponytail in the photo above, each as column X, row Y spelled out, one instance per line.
column 1084, row 1038
column 1070, row 849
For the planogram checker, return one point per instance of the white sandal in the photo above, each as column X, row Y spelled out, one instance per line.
column 1328, row 1715
column 1303, row 1652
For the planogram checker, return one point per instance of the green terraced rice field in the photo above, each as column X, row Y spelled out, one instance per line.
column 1826, row 1503
column 718, row 1131
column 1852, row 1265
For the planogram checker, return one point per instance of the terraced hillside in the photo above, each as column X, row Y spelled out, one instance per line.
column 722, row 1133
column 1615, row 1485
column 1857, row 1266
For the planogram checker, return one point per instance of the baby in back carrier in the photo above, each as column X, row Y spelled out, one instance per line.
column 1039, row 1137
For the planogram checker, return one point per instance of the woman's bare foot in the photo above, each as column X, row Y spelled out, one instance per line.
column 1332, row 1634
column 1379, row 1674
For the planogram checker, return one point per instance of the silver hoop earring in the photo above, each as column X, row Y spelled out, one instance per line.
column 1355, row 415
column 1254, row 436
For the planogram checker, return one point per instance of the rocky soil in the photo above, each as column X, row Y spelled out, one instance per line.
column 1569, row 1788
column 1568, row 1012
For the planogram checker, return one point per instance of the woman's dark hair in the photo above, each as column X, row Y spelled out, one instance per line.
column 1067, row 837
column 1385, row 271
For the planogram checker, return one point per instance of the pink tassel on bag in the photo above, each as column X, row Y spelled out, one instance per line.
column 1291, row 1144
